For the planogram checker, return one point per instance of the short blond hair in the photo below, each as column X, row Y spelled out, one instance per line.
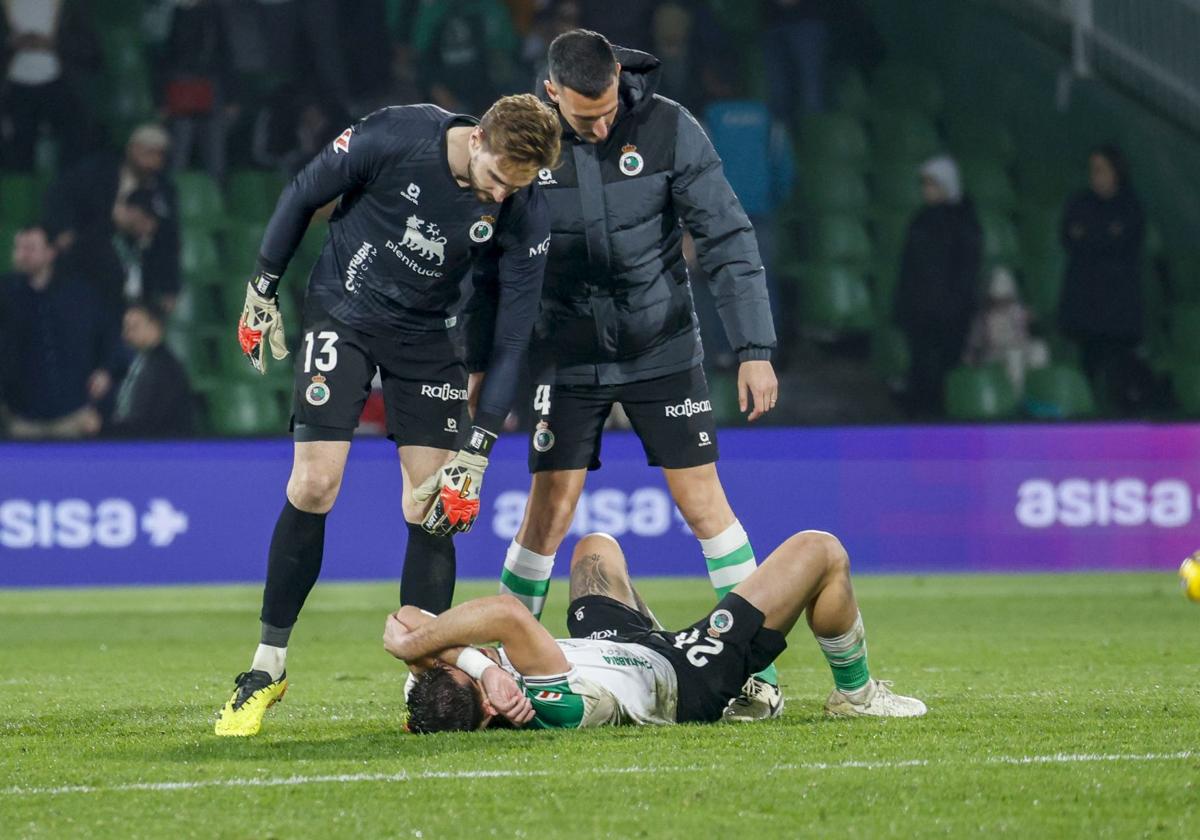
column 524, row 131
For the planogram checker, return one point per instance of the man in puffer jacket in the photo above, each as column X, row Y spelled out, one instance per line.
column 617, row 321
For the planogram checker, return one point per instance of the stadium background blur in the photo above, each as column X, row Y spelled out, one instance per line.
column 823, row 126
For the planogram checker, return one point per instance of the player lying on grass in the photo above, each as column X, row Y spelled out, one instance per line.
column 617, row 668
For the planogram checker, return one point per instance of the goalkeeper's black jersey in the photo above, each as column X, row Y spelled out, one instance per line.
column 404, row 235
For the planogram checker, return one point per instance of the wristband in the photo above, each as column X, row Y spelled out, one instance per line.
column 265, row 283
column 480, row 442
column 474, row 663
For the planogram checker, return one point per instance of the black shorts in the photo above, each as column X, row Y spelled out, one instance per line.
column 424, row 383
column 712, row 659
column 672, row 416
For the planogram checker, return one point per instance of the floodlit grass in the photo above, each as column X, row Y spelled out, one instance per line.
column 1059, row 706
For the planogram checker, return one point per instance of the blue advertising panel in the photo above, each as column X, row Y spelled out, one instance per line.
column 913, row 499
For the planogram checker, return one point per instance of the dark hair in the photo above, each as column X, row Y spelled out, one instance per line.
column 153, row 311
column 1117, row 160
column 583, row 61
column 439, row 703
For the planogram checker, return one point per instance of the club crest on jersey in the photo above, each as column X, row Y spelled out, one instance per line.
column 631, row 162
column 342, row 143
column 721, row 621
column 317, row 393
column 543, row 438
column 482, row 230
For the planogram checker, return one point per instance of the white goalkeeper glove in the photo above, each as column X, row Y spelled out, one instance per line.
column 456, row 487
column 261, row 324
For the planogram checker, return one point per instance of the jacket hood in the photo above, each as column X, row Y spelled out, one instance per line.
column 640, row 73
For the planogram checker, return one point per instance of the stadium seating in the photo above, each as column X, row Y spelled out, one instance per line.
column 896, row 189
column 988, row 185
column 199, row 257
column 890, row 356
column 972, row 133
column 831, row 137
column 20, row 199
column 850, row 94
column 1185, row 384
column 201, row 205
column 982, row 393
column 835, row 300
column 917, row 87
column 1058, row 392
column 837, row 188
column 244, row 408
column 902, row 136
column 839, row 238
column 252, row 195
column 1000, row 243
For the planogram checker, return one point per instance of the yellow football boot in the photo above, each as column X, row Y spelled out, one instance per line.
column 255, row 693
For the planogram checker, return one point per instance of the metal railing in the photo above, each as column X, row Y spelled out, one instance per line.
column 1149, row 47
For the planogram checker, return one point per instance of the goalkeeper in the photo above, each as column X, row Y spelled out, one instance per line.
column 422, row 195
column 618, row 667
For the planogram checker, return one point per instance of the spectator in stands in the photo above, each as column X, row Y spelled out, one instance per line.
column 292, row 127
column 465, row 53
column 154, row 399
column 796, row 51
column 140, row 269
column 551, row 21
column 46, row 42
column 303, row 42
column 694, row 52
column 57, row 350
column 199, row 86
column 626, row 23
column 1103, row 229
column 88, row 210
column 939, row 281
column 1001, row 335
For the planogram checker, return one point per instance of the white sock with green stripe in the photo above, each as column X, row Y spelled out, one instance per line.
column 730, row 560
column 526, row 577
column 847, row 657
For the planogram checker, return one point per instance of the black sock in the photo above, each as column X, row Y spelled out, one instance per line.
column 429, row 567
column 292, row 565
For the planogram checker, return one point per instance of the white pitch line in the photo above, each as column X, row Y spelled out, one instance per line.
column 348, row 778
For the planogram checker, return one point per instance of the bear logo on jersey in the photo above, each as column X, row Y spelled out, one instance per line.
column 431, row 246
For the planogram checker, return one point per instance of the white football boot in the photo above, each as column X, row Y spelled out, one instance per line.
column 876, row 699
column 759, row 700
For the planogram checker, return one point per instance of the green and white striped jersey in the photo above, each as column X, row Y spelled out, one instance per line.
column 609, row 684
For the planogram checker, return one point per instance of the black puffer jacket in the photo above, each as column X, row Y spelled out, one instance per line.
column 616, row 302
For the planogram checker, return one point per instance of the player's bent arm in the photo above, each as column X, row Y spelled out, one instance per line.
column 499, row 618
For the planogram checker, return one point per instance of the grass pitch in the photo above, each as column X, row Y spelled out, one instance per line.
column 1060, row 706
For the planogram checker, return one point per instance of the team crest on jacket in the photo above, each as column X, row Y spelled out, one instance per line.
column 317, row 392
column 342, row 143
column 631, row 162
column 482, row 230
column 543, row 438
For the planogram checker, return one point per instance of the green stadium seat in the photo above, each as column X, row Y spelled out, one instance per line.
column 1184, row 331
column 835, row 300
column 982, row 393
column 1185, row 384
column 8, row 233
column 896, row 188
column 833, row 189
column 199, row 258
column 241, row 408
column 1038, row 228
column 902, row 136
column 1047, row 182
column 722, row 389
column 988, row 184
column 1058, row 392
column 890, row 356
column 907, row 85
column 1000, row 243
column 200, row 203
column 972, row 134
column 252, row 194
column 839, row 238
column 20, row 199
column 826, row 138
column 1041, row 284
column 850, row 94
column 1184, row 274
column 241, row 242
column 1063, row 350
